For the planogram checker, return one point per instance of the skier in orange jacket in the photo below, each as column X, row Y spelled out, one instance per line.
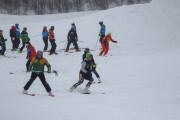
column 105, row 44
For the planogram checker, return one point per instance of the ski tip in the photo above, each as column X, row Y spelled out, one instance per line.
column 32, row 94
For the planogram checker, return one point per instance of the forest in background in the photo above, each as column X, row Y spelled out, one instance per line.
column 39, row 7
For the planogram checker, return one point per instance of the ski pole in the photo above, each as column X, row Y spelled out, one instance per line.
column 80, row 41
column 117, row 48
column 62, row 41
column 36, row 35
column 96, row 43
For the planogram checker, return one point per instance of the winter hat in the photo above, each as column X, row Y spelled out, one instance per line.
column 13, row 27
column 1, row 31
column 88, row 55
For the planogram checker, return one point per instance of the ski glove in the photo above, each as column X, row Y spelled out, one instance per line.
column 99, row 34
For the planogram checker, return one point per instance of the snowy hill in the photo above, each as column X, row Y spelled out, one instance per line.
column 141, row 82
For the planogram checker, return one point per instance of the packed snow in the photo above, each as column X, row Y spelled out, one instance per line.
column 140, row 75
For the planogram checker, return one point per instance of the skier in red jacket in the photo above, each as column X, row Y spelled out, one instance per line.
column 31, row 53
column 105, row 44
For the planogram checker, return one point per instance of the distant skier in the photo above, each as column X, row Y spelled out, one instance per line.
column 2, row 43
column 74, row 27
column 105, row 44
column 13, row 38
column 85, row 73
column 45, row 35
column 31, row 53
column 72, row 38
column 94, row 64
column 37, row 67
column 52, row 40
column 25, row 39
column 18, row 34
column 102, row 31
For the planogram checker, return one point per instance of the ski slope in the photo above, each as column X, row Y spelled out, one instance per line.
column 141, row 82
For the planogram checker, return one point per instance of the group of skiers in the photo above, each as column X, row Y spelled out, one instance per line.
column 36, row 61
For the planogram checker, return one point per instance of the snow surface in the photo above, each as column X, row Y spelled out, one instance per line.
column 141, row 82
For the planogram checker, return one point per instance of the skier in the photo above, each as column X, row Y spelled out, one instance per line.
column 85, row 73
column 17, row 35
column 2, row 43
column 13, row 38
column 52, row 40
column 102, row 31
column 72, row 38
column 94, row 64
column 31, row 53
column 74, row 27
column 45, row 35
column 37, row 67
column 105, row 44
column 25, row 39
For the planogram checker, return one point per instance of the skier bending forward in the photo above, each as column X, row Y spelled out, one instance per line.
column 85, row 73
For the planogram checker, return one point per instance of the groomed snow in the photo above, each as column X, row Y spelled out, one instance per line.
column 141, row 82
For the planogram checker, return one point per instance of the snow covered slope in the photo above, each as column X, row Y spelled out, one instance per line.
column 140, row 83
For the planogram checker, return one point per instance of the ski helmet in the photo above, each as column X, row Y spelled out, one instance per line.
column 1, row 31
column 16, row 24
column 109, row 33
column 101, row 22
column 39, row 52
column 86, row 49
column 88, row 55
column 52, row 27
column 73, row 23
column 25, row 28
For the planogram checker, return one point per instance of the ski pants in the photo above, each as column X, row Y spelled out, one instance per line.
column 27, row 64
column 45, row 39
column 17, row 42
column 41, row 77
column 13, row 42
column 53, row 46
column 23, row 45
column 3, row 49
column 105, row 49
column 74, row 42
column 95, row 72
column 83, row 76
column 101, row 39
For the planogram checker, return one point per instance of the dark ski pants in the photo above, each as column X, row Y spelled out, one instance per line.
column 53, row 46
column 95, row 72
column 74, row 42
column 17, row 43
column 27, row 64
column 3, row 49
column 83, row 76
column 45, row 39
column 101, row 39
column 24, row 43
column 41, row 77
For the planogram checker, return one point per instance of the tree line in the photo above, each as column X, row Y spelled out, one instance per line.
column 39, row 7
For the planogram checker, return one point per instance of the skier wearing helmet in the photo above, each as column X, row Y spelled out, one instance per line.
column 85, row 73
column 37, row 67
column 105, row 44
